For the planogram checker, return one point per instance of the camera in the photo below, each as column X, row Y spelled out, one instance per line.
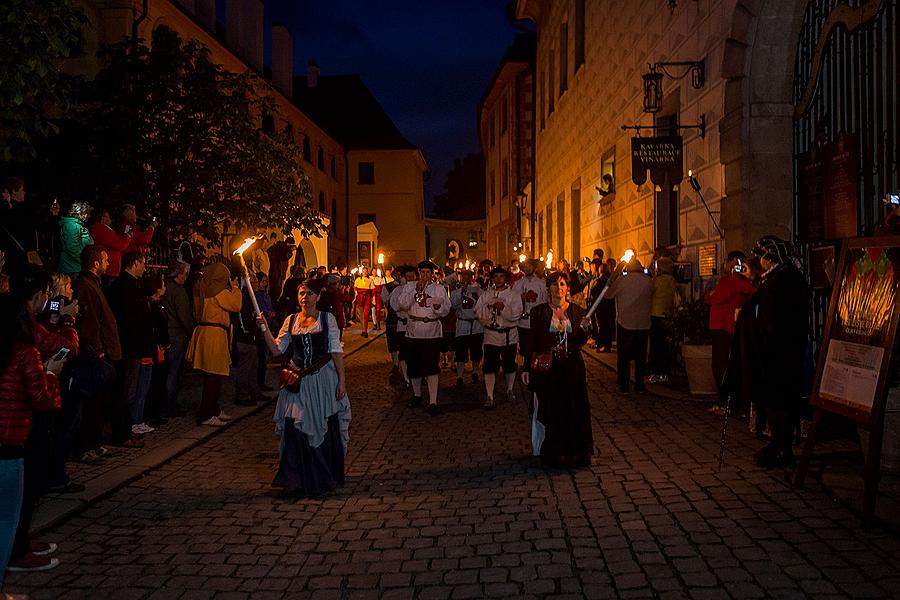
column 892, row 199
column 739, row 267
column 54, row 306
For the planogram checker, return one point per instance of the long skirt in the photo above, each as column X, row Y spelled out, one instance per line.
column 313, row 425
column 561, row 424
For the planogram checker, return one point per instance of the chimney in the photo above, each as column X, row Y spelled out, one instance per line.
column 312, row 74
column 282, row 58
column 205, row 11
column 253, row 32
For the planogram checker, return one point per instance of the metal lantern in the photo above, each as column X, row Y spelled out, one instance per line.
column 653, row 93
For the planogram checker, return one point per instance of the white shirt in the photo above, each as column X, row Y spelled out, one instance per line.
column 467, row 322
column 334, row 334
column 534, row 292
column 436, row 304
column 505, row 319
column 376, row 280
column 394, row 302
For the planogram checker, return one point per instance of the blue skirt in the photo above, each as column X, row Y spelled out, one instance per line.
column 306, row 471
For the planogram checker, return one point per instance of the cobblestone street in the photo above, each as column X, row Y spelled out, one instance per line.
column 455, row 507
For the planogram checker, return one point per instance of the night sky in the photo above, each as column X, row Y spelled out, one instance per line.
column 428, row 62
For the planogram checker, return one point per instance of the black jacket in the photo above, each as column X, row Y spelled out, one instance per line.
column 133, row 316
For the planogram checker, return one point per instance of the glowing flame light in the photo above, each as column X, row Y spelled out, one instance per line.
column 381, row 258
column 626, row 258
column 549, row 259
column 355, row 269
column 522, row 258
column 243, row 247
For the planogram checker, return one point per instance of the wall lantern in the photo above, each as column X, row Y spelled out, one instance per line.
column 653, row 95
column 653, row 88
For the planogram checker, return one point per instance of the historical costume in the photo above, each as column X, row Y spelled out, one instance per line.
column 312, row 414
column 534, row 292
column 363, row 286
column 561, row 422
column 469, row 336
column 425, row 301
column 498, row 309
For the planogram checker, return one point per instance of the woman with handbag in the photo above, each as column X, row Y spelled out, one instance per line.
column 561, row 421
column 312, row 414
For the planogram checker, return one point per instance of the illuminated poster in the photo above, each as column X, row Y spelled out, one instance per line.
column 860, row 330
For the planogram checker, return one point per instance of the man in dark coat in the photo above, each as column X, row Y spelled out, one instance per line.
column 780, row 344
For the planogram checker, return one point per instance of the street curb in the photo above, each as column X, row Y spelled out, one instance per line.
column 63, row 507
column 654, row 390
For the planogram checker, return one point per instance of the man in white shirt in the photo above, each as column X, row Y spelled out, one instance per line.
column 410, row 275
column 469, row 330
column 499, row 309
column 425, row 302
column 533, row 289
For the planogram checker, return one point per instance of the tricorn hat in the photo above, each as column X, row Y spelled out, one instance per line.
column 499, row 269
column 427, row 264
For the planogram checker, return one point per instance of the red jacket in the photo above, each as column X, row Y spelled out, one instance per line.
column 24, row 389
column 729, row 295
column 49, row 342
column 113, row 243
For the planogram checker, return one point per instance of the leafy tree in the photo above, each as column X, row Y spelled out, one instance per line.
column 166, row 128
column 34, row 35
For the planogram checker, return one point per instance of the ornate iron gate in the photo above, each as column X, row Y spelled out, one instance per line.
column 845, row 81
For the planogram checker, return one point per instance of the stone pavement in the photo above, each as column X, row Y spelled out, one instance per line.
column 455, row 507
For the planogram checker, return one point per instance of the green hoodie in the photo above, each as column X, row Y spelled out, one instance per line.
column 73, row 237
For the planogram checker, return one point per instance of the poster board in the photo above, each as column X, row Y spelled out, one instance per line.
column 852, row 371
column 855, row 357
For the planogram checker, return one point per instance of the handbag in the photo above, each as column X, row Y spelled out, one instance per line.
column 542, row 362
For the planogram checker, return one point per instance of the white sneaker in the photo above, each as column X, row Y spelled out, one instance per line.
column 144, row 428
column 214, row 422
column 224, row 417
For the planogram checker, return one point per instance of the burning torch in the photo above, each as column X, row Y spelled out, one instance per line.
column 626, row 258
column 240, row 252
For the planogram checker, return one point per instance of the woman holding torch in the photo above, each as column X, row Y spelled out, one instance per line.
column 561, row 423
column 364, row 287
column 312, row 414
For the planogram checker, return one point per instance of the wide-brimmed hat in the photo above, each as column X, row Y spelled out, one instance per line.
column 772, row 248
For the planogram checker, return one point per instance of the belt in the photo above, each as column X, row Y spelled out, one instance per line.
column 205, row 324
column 424, row 319
column 404, row 321
column 499, row 329
column 466, row 320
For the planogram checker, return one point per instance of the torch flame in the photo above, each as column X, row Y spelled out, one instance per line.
column 243, row 247
column 550, row 259
column 355, row 269
column 522, row 258
column 629, row 254
column 381, row 258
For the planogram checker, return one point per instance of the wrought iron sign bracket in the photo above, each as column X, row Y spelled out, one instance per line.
column 701, row 127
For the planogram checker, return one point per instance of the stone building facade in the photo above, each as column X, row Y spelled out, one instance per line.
column 591, row 56
column 506, row 130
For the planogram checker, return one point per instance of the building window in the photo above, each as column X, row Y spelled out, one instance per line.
column 334, row 215
column 307, row 149
column 579, row 33
column 333, row 168
column 289, row 131
column 366, row 173
column 492, row 129
column 551, row 84
column 493, row 190
column 504, row 113
column 322, row 203
column 607, row 174
column 666, row 199
column 362, row 218
column 268, row 123
column 563, row 57
column 550, row 227
column 504, row 178
column 320, row 159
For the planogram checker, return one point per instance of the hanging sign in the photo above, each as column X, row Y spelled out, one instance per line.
column 662, row 156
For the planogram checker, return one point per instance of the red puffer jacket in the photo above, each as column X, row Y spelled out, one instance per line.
column 24, row 388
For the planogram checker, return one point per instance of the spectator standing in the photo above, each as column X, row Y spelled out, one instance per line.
column 606, row 312
column 100, row 349
column 264, row 300
column 633, row 294
column 246, row 341
column 154, row 287
column 112, row 241
column 134, row 372
column 47, row 235
column 663, row 303
column 24, row 390
column 73, row 237
column 287, row 294
column 176, row 303
column 128, row 226
column 730, row 293
column 216, row 295
column 280, row 254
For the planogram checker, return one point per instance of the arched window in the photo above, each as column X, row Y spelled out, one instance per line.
column 334, row 215
column 322, row 202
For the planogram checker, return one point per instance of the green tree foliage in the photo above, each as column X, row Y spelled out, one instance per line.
column 34, row 35
column 169, row 130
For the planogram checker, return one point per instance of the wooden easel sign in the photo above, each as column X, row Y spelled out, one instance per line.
column 852, row 370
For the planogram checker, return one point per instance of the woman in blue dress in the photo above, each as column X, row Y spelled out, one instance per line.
column 312, row 414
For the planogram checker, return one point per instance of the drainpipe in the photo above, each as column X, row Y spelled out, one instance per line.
column 135, row 25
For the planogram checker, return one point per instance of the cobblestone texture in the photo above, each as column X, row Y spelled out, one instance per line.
column 455, row 507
